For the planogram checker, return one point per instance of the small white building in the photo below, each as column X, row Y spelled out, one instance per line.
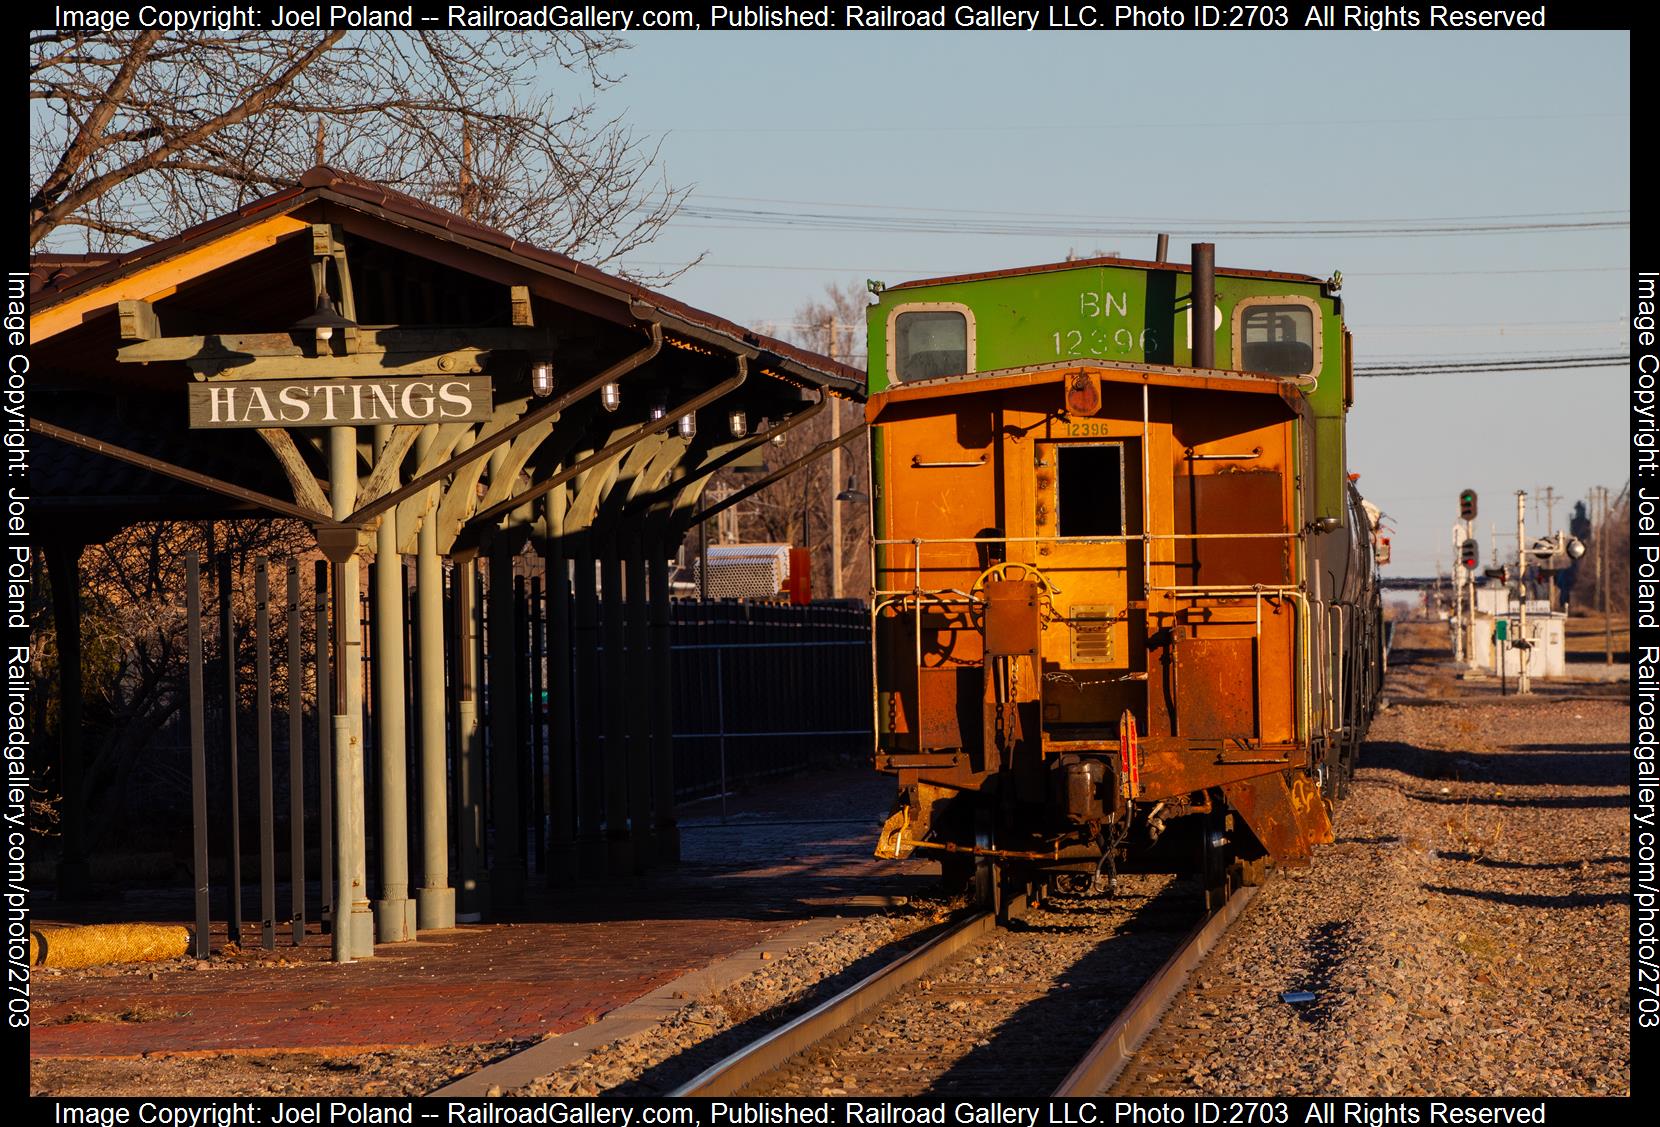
column 1547, row 630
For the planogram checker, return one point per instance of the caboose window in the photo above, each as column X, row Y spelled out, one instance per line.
column 930, row 340
column 1277, row 336
column 1089, row 483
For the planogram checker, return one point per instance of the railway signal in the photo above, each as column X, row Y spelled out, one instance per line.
column 1467, row 505
column 1469, row 554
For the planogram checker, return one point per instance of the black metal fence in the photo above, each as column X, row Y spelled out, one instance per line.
column 767, row 689
column 755, row 690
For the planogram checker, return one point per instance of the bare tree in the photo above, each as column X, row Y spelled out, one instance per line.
column 133, row 658
column 801, row 509
column 137, row 135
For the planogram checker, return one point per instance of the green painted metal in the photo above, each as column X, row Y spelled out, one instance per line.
column 1128, row 312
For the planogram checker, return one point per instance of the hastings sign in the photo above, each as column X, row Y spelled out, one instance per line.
column 339, row 402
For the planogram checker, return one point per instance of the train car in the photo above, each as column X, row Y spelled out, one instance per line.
column 1125, row 608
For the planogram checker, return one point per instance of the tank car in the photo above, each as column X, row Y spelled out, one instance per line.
column 1125, row 607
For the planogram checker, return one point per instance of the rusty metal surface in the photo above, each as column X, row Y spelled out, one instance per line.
column 1289, row 819
column 1106, row 1059
column 1216, row 503
column 1014, row 623
column 943, row 698
column 1216, row 688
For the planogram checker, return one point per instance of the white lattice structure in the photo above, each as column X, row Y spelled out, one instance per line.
column 748, row 571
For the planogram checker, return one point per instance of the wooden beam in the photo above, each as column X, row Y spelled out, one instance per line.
column 359, row 365
column 168, row 469
column 307, row 491
column 517, row 455
column 152, row 283
column 138, row 320
column 243, row 349
column 384, row 477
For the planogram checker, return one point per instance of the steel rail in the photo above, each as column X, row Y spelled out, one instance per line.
column 1107, row 1058
column 727, row 1077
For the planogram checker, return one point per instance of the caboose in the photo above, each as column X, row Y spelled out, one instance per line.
column 1124, row 610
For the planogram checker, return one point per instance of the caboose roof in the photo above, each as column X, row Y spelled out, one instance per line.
column 1086, row 263
column 1155, row 375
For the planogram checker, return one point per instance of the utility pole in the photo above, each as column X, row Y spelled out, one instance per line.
column 1550, row 510
column 1458, row 594
column 1598, row 528
column 835, row 476
column 1523, row 645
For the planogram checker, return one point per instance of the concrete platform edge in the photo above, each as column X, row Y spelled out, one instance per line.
column 557, row 1052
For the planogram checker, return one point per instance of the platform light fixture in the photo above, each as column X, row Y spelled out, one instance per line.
column 687, row 425
column 737, row 422
column 541, row 377
column 853, row 492
column 659, row 408
column 322, row 323
column 610, row 396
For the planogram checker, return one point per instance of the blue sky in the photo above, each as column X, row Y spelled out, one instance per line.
column 1216, row 136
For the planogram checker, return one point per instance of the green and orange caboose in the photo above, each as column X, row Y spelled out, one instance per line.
column 1125, row 601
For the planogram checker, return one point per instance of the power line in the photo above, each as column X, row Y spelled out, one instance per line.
column 938, row 271
column 1098, row 126
column 1497, row 364
column 725, row 218
column 1185, row 221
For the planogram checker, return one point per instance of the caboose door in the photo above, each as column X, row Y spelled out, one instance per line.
column 1087, row 514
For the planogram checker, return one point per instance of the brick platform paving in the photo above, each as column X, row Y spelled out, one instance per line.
column 784, row 853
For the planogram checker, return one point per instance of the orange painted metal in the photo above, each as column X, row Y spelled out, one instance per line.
column 1146, row 613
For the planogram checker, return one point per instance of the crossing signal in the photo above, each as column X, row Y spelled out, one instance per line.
column 1502, row 574
column 1469, row 555
column 1467, row 505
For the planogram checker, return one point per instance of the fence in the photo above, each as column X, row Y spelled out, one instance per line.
column 753, row 691
column 764, row 689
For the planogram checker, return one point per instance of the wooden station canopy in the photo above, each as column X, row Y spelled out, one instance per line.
column 408, row 382
column 432, row 308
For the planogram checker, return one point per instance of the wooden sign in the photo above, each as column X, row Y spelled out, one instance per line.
column 222, row 404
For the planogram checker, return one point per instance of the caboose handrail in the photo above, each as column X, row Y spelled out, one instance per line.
column 918, row 541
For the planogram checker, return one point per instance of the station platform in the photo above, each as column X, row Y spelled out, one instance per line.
column 782, row 853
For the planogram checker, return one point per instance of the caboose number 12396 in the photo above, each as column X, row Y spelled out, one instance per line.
column 1125, row 602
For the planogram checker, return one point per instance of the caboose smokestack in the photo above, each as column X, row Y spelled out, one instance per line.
column 1163, row 248
column 1200, row 315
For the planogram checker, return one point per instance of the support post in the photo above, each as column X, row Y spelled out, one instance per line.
column 534, row 631
column 561, row 865
column 835, row 485
column 296, row 760
column 394, row 911
column 198, row 753
column 619, row 860
column 471, row 894
column 591, row 766
column 227, row 645
column 507, row 870
column 354, row 932
column 667, row 830
column 262, row 733
column 435, row 899
column 647, row 696
column 325, row 735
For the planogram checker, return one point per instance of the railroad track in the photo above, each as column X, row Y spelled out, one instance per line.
column 975, row 1005
column 1106, row 1059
